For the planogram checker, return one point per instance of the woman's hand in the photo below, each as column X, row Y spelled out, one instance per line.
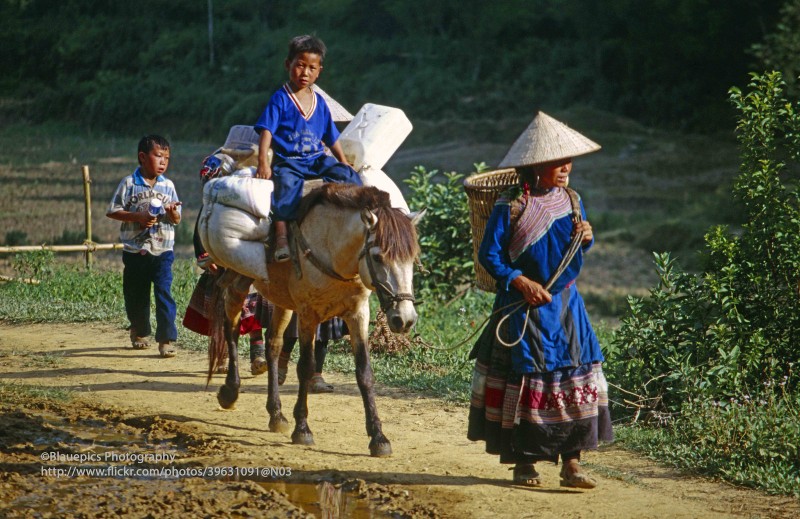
column 585, row 227
column 533, row 292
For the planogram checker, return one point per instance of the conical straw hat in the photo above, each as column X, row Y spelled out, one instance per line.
column 338, row 112
column 545, row 140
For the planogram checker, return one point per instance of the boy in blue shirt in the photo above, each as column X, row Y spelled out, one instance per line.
column 297, row 124
column 147, row 205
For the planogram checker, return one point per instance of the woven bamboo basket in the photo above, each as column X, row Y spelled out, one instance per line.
column 482, row 192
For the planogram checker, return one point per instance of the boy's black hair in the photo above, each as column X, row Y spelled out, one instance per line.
column 306, row 43
column 148, row 142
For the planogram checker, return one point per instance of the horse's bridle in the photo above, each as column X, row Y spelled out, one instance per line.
column 386, row 296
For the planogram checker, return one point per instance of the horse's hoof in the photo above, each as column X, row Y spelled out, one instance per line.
column 279, row 425
column 302, row 438
column 227, row 396
column 380, row 449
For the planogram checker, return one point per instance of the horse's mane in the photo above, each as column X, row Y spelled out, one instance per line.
column 395, row 235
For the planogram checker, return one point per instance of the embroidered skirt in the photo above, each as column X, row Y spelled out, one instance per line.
column 198, row 311
column 533, row 417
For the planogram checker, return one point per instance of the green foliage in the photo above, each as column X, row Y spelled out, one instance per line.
column 118, row 65
column 33, row 265
column 70, row 293
column 16, row 237
column 751, row 440
column 780, row 48
column 738, row 323
column 717, row 352
column 69, row 237
column 444, row 232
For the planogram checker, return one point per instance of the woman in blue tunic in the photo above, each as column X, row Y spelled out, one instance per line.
column 538, row 389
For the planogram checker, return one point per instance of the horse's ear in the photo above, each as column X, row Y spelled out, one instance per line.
column 369, row 218
column 416, row 216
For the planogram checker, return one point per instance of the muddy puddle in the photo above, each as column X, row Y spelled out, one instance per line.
column 63, row 459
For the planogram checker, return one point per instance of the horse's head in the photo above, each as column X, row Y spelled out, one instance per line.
column 386, row 263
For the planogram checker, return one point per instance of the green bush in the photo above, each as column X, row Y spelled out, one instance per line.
column 444, row 233
column 713, row 355
column 736, row 324
column 16, row 237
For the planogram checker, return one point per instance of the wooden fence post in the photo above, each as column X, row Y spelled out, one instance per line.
column 87, row 198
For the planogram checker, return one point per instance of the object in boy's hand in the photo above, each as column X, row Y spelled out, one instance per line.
column 155, row 210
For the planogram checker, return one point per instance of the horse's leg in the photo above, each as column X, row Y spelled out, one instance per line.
column 234, row 295
column 305, row 371
column 279, row 322
column 358, row 324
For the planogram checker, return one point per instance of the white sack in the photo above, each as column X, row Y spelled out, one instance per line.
column 240, row 191
column 235, row 239
column 379, row 179
column 374, row 135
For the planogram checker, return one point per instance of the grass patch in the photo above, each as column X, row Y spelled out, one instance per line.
column 753, row 443
column 16, row 392
column 610, row 473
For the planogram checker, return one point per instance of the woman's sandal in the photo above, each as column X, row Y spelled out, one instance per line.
column 576, row 479
column 525, row 474
column 318, row 385
column 167, row 350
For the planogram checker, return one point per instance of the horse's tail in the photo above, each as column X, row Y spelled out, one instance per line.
column 217, row 345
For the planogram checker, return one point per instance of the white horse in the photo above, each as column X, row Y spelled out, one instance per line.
column 349, row 242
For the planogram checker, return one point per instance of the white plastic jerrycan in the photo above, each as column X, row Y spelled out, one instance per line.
column 374, row 135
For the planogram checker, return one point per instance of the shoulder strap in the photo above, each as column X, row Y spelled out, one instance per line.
column 575, row 200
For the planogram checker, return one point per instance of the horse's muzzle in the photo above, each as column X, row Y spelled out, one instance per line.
column 401, row 317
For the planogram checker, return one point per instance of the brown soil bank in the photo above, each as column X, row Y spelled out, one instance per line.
column 135, row 405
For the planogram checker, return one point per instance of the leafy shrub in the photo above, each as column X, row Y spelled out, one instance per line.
column 16, row 237
column 444, row 232
column 713, row 355
column 737, row 324
column 73, row 238
column 34, row 264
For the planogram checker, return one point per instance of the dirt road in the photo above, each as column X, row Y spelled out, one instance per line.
column 434, row 472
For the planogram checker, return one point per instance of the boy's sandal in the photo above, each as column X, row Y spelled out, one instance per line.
column 577, row 479
column 167, row 350
column 282, row 253
column 525, row 474
column 139, row 343
column 318, row 385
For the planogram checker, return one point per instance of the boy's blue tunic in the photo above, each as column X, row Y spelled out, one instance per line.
column 296, row 135
column 298, row 141
column 558, row 334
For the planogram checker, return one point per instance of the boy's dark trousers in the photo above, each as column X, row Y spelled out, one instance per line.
column 142, row 270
